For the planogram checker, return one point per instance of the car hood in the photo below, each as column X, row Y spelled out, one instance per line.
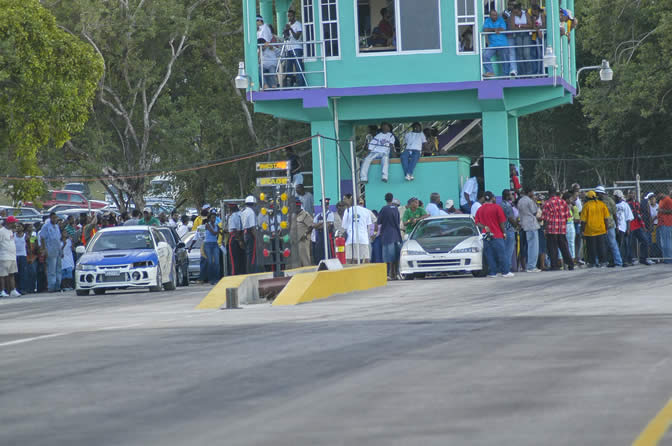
column 442, row 245
column 117, row 257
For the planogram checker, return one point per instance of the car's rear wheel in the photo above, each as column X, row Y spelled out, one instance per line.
column 170, row 286
column 159, row 283
column 98, row 291
column 82, row 292
column 182, row 275
column 407, row 276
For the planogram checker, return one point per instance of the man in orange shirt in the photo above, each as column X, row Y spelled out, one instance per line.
column 665, row 227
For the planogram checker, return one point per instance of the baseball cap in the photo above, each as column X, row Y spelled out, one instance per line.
column 619, row 193
column 649, row 195
column 396, row 202
column 205, row 207
column 147, row 209
column 250, row 199
column 600, row 190
column 591, row 194
column 449, row 204
column 260, row 18
column 11, row 219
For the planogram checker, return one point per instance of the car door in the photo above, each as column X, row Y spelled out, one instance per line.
column 165, row 254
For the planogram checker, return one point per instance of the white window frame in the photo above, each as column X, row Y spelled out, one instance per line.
column 304, row 25
column 323, row 22
column 398, row 51
column 476, row 38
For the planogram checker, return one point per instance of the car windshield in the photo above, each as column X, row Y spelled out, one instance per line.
column 443, row 234
column 119, row 240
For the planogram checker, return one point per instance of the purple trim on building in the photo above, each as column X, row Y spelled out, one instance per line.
column 490, row 89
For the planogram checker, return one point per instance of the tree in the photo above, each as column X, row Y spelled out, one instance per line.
column 47, row 83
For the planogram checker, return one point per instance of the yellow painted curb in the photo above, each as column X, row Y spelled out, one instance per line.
column 307, row 287
column 216, row 298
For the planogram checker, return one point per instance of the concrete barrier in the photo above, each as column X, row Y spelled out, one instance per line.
column 247, row 286
column 307, row 287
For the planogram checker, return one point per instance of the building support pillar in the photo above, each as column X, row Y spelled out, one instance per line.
column 281, row 8
column 331, row 153
column 500, row 142
column 514, row 153
column 266, row 11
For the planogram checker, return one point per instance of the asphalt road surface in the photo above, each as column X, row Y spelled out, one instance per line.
column 564, row 358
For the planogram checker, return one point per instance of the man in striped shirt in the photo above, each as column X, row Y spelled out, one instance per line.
column 555, row 216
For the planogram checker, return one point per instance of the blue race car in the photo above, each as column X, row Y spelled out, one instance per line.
column 126, row 257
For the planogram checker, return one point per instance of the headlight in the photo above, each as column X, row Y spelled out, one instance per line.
column 465, row 250
column 81, row 267
column 145, row 264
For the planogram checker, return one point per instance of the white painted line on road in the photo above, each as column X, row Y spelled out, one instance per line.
column 35, row 338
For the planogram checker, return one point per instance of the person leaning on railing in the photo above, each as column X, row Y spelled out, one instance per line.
column 519, row 20
column 498, row 44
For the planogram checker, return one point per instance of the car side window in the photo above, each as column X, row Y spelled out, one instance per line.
column 76, row 198
column 61, row 196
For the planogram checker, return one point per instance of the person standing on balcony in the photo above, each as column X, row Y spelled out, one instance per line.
column 498, row 45
column 409, row 158
column 522, row 41
column 538, row 19
column 293, row 35
column 379, row 148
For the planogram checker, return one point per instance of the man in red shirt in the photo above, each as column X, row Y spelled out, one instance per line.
column 665, row 227
column 555, row 216
column 491, row 220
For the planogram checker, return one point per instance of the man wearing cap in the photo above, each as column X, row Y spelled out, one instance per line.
column 491, row 220
column 236, row 243
column 8, row 266
column 200, row 220
column 595, row 220
column 623, row 218
column 248, row 220
column 317, row 236
column 51, row 244
column 293, row 34
column 612, row 244
column 263, row 30
column 148, row 219
column 302, row 224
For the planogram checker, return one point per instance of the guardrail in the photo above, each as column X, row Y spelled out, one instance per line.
column 523, row 57
column 286, row 67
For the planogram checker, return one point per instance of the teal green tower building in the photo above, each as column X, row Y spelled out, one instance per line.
column 436, row 67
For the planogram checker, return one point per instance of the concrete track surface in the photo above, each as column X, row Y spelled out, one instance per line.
column 562, row 358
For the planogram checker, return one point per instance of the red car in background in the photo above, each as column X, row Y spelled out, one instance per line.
column 69, row 197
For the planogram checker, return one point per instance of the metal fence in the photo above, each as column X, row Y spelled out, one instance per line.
column 522, row 57
column 285, row 67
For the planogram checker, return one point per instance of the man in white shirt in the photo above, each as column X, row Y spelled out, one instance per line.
column 183, row 226
column 263, row 30
column 433, row 208
column 249, row 222
column 358, row 226
column 477, row 204
column 306, row 199
column 409, row 158
column 624, row 216
column 379, row 148
column 268, row 55
column 469, row 194
column 8, row 265
column 293, row 35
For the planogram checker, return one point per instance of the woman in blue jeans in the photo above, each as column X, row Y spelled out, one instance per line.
column 212, row 249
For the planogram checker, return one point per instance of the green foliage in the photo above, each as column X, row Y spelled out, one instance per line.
column 47, row 82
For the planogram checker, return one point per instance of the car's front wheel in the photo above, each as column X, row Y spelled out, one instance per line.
column 98, row 291
column 82, row 292
column 483, row 271
column 407, row 276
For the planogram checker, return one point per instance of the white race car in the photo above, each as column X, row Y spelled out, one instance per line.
column 443, row 244
column 125, row 257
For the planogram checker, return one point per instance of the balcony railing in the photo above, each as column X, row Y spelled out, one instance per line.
column 287, row 68
column 521, row 58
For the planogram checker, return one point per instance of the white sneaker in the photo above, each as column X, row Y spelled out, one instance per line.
column 508, row 275
column 408, row 177
column 3, row 294
column 412, row 178
column 14, row 293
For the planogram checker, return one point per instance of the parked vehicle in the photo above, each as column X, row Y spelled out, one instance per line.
column 82, row 188
column 55, row 197
column 23, row 214
column 62, row 207
column 444, row 244
column 194, row 255
column 125, row 257
column 180, row 253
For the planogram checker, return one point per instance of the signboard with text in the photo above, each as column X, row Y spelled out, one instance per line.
column 273, row 181
column 272, row 165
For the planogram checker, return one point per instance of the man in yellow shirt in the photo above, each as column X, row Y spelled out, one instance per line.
column 594, row 223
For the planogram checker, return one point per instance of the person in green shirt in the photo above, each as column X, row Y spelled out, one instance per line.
column 148, row 219
column 413, row 214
